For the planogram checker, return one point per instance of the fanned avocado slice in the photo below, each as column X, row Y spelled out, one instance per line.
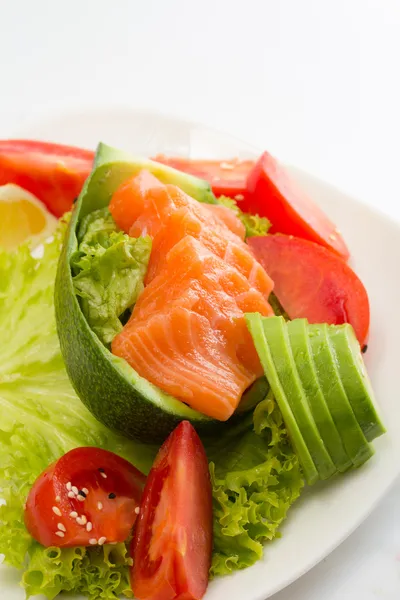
column 255, row 324
column 300, row 344
column 276, row 333
column 355, row 379
column 106, row 384
column 354, row 442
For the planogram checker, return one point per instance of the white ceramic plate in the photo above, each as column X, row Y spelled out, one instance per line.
column 327, row 513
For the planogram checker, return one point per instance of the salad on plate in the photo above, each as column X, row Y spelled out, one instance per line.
column 182, row 355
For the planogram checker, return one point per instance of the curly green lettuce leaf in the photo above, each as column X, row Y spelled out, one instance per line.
column 254, row 224
column 109, row 268
column 41, row 419
column 256, row 477
column 100, row 573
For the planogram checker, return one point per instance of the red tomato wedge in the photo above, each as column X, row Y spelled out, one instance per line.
column 313, row 283
column 172, row 545
column 52, row 172
column 272, row 193
column 87, row 497
column 227, row 177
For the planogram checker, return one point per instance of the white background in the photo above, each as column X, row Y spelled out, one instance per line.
column 314, row 81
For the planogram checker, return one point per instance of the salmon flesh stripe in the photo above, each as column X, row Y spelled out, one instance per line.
column 187, row 333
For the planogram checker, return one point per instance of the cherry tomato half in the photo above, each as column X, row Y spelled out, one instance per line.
column 89, row 496
column 172, row 545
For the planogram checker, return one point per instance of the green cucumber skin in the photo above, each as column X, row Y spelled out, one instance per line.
column 106, row 384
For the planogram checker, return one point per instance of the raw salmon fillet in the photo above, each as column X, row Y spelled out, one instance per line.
column 187, row 332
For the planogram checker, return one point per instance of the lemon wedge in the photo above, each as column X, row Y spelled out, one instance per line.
column 22, row 217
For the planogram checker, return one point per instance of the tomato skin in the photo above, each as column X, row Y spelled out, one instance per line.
column 227, row 177
column 52, row 172
column 172, row 545
column 313, row 283
column 99, row 472
column 272, row 193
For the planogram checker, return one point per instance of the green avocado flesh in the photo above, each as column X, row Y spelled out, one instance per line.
column 255, row 324
column 276, row 334
column 114, row 393
column 253, row 395
column 302, row 354
column 318, row 378
column 355, row 379
column 354, row 442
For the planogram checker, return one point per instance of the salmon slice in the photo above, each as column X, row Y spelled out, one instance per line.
column 228, row 217
column 207, row 358
column 132, row 197
column 187, row 333
column 185, row 216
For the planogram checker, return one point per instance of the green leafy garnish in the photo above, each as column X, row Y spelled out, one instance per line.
column 255, row 474
column 41, row 419
column 109, row 270
column 256, row 477
column 255, row 225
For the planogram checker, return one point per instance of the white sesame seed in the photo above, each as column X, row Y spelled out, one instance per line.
column 102, row 540
column 58, row 499
column 137, row 510
column 226, row 166
column 89, row 526
column 73, row 514
column 80, row 498
column 71, row 495
column 75, row 490
column 59, row 533
column 104, row 476
column 93, row 541
column 100, row 505
column 82, row 520
column 68, row 486
column 61, row 527
column 57, row 511
column 85, row 491
column 332, row 237
column 239, row 197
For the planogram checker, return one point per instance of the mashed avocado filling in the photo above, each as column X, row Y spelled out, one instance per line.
column 255, row 473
